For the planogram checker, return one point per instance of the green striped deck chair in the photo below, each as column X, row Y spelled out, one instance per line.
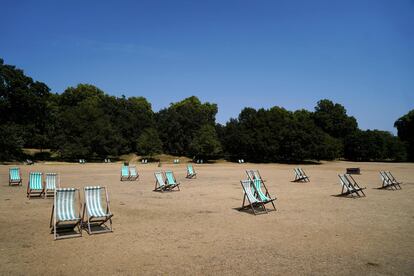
column 350, row 186
column 191, row 172
column 97, row 214
column 133, row 173
column 52, row 182
column 264, row 197
column 65, row 219
column 253, row 203
column 171, row 181
column 15, row 176
column 124, row 173
column 35, row 185
column 159, row 182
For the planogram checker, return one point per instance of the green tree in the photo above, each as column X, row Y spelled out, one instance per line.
column 206, row 144
column 405, row 127
column 149, row 143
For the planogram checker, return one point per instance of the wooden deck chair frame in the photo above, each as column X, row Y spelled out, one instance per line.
column 191, row 173
column 48, row 189
column 13, row 181
column 92, row 205
column 394, row 181
column 300, row 175
column 387, row 182
column 302, row 172
column 252, row 202
column 171, row 185
column 135, row 176
column 160, row 182
column 33, row 191
column 69, row 223
column 123, row 170
column 350, row 186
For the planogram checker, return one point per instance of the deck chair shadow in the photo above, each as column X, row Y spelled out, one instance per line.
column 191, row 172
column 35, row 185
column 171, row 181
column 300, row 175
column 124, row 173
column 96, row 215
column 159, row 182
column 350, row 186
column 250, row 202
column 65, row 221
column 133, row 173
column 52, row 181
column 15, row 177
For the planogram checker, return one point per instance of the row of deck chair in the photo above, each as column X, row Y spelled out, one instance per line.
column 37, row 186
column 67, row 221
column 256, row 197
column 82, row 161
column 107, row 160
column 129, row 173
column 241, row 161
column 144, row 161
column 176, row 161
column 165, row 181
column 389, row 181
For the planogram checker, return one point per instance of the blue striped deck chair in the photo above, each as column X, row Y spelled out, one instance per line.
column 65, row 219
column 97, row 214
column 124, row 173
column 171, row 181
column 265, row 196
column 191, row 172
column 350, row 186
column 133, row 173
column 15, row 176
column 35, row 185
column 253, row 203
column 52, row 182
column 159, row 182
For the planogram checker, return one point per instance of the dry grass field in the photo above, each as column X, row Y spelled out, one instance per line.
column 199, row 231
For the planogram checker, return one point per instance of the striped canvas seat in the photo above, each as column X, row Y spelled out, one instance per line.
column 51, row 180
column 14, row 176
column 124, row 172
column 159, row 182
column 97, row 214
column 65, row 203
column 171, row 181
column 133, row 174
column 35, row 185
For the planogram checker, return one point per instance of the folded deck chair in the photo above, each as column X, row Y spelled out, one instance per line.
column 52, row 182
column 124, row 173
column 133, row 173
column 171, row 181
column 300, row 175
column 262, row 196
column 15, row 176
column 350, row 186
column 159, row 182
column 35, row 185
column 97, row 215
column 191, row 172
column 252, row 202
column 64, row 218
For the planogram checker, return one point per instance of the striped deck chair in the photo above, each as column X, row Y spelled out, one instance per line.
column 191, row 172
column 97, row 215
column 253, row 203
column 300, row 175
column 350, row 186
column 52, row 182
column 254, row 174
column 35, row 185
column 65, row 219
column 124, row 173
column 159, row 182
column 264, row 197
column 15, row 176
column 394, row 181
column 133, row 173
column 171, row 181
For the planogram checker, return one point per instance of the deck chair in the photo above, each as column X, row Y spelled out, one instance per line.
column 64, row 218
column 393, row 181
column 159, row 182
column 300, row 175
column 262, row 196
column 52, row 182
column 15, row 176
column 350, row 186
column 254, row 174
column 97, row 215
column 133, row 173
column 124, row 173
column 252, row 202
column 171, row 182
column 191, row 172
column 35, row 185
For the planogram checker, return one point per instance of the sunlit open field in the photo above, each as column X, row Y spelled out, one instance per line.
column 199, row 230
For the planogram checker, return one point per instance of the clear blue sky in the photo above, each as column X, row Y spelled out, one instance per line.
column 234, row 53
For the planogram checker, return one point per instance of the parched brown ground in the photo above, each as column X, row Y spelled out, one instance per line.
column 198, row 231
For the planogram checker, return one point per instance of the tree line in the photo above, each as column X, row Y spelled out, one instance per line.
column 85, row 122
